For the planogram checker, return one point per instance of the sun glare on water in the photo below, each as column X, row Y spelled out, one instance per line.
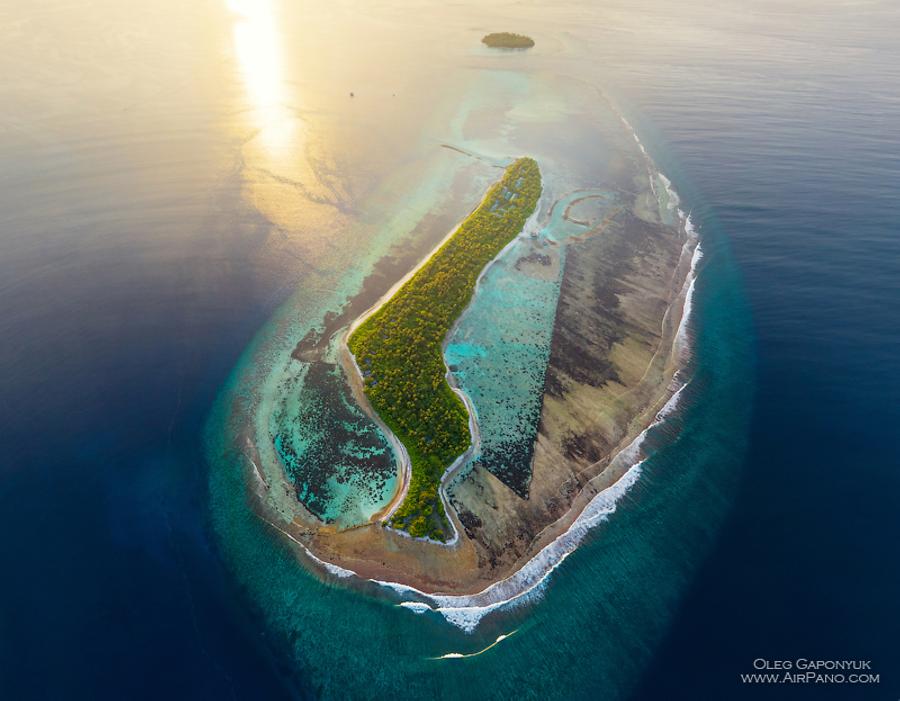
column 257, row 45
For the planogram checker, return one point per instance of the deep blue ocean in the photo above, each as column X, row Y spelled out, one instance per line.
column 125, row 303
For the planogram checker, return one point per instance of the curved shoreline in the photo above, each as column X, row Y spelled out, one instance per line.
column 354, row 379
column 474, row 429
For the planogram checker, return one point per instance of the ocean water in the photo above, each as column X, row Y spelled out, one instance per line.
column 150, row 230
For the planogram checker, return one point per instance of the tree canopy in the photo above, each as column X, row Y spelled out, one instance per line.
column 507, row 40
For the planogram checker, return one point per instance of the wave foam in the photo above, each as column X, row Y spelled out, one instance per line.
column 525, row 585
column 681, row 337
column 461, row 655
column 673, row 199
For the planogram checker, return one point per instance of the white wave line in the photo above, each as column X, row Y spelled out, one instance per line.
column 462, row 655
column 467, row 611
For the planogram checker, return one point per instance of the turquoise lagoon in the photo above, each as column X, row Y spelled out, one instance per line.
column 498, row 351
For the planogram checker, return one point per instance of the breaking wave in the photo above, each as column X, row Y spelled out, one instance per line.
column 527, row 584
column 463, row 655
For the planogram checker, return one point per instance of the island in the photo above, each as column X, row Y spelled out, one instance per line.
column 507, row 40
column 399, row 349
column 450, row 425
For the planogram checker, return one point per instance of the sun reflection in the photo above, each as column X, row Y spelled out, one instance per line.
column 257, row 44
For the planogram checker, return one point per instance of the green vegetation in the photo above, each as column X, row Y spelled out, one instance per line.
column 399, row 348
column 508, row 40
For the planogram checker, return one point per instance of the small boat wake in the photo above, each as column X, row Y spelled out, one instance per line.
column 462, row 655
